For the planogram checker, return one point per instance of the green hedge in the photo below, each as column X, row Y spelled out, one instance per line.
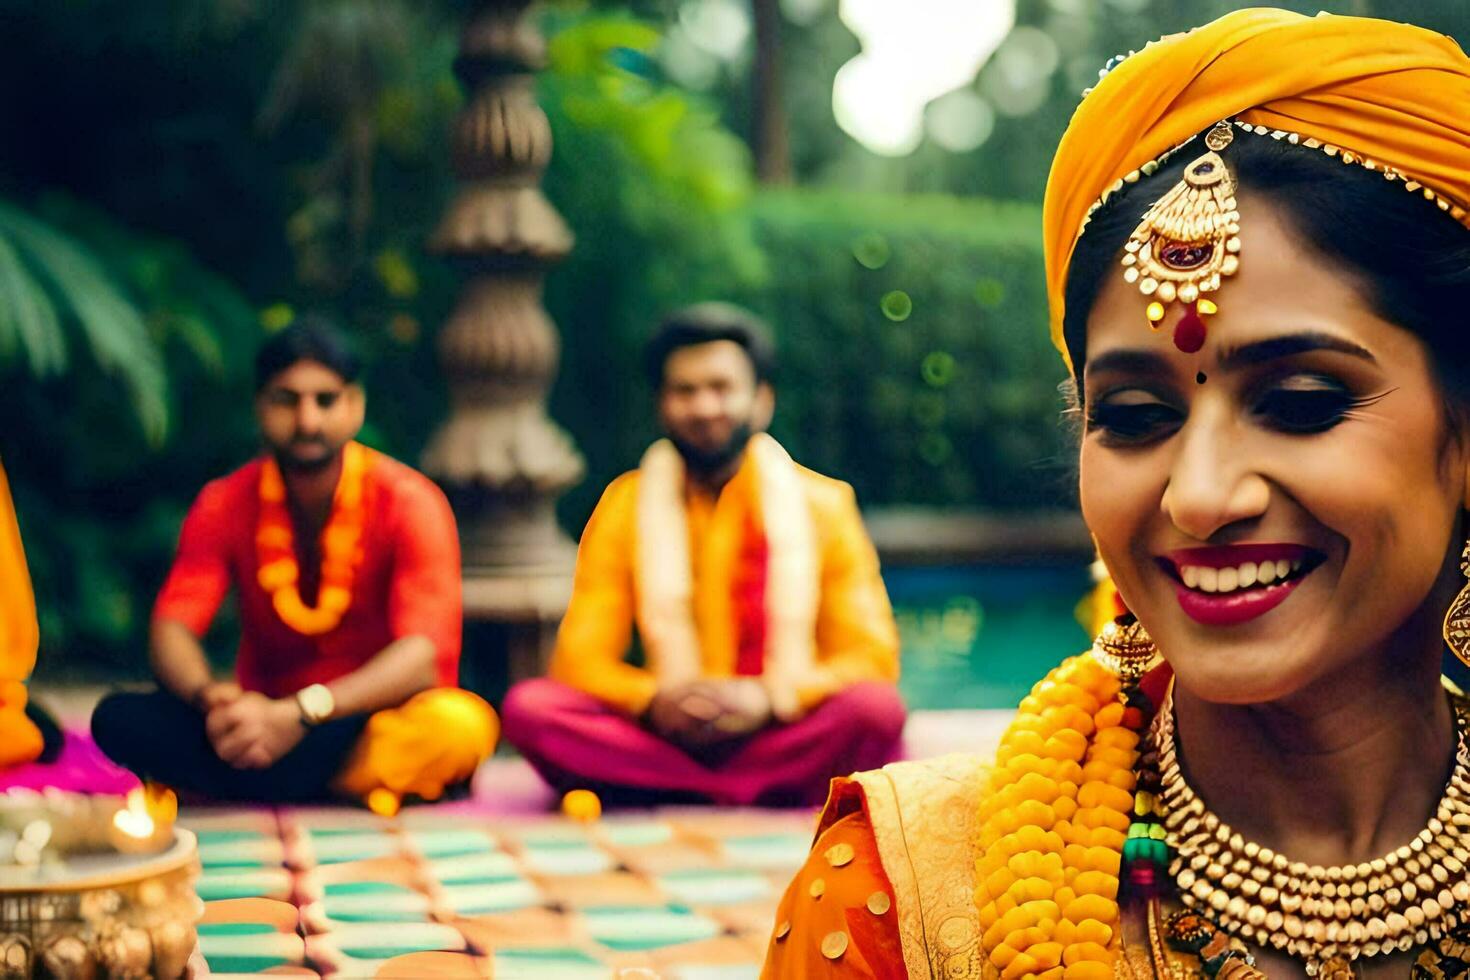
column 914, row 352
column 914, row 357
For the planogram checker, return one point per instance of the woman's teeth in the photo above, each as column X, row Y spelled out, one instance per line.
column 1241, row 576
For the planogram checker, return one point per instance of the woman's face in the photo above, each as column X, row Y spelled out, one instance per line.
column 1283, row 501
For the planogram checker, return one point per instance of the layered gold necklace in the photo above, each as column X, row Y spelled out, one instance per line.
column 1325, row 917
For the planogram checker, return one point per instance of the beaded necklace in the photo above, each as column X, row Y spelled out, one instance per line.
column 1326, row 917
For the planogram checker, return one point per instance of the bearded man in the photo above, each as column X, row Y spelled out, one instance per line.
column 768, row 650
column 345, row 564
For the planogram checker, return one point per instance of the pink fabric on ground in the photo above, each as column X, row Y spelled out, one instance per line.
column 81, row 768
column 576, row 741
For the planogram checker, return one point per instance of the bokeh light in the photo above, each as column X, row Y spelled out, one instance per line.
column 912, row 54
column 721, row 27
column 1018, row 79
column 989, row 293
column 897, row 305
column 937, row 368
column 960, row 121
column 871, row 250
column 688, row 64
column 935, row 448
column 804, row 12
column 930, row 409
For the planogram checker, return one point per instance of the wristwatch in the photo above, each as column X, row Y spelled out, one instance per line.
column 316, row 704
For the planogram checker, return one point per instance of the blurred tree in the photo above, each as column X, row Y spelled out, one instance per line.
column 770, row 138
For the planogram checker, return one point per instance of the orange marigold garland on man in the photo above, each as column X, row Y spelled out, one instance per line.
column 1258, row 256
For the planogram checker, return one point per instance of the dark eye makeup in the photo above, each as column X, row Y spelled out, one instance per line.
column 1124, row 418
column 1294, row 404
column 1305, row 404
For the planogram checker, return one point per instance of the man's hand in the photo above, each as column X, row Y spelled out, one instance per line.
column 254, row 731
column 216, row 694
column 679, row 713
column 745, row 706
column 707, row 712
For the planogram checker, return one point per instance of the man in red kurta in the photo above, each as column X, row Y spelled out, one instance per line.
column 345, row 564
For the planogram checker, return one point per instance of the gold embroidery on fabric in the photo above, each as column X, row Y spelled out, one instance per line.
column 924, row 817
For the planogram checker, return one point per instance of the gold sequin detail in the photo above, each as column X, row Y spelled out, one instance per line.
column 783, row 930
column 834, row 945
column 879, row 903
column 839, row 855
column 818, row 888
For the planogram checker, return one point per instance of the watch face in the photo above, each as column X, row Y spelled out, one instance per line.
column 316, row 702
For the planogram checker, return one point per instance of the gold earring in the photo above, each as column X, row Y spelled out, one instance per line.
column 1457, row 620
column 1125, row 648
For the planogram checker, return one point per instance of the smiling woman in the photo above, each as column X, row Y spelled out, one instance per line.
column 1259, row 264
column 1321, row 408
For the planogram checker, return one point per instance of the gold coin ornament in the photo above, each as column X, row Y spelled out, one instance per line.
column 834, row 944
column 818, row 888
column 879, row 903
column 840, row 855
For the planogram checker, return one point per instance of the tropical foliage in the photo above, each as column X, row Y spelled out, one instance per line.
column 178, row 178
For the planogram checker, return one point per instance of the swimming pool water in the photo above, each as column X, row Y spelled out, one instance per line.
column 978, row 636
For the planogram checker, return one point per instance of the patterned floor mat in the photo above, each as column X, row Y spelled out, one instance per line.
column 676, row 894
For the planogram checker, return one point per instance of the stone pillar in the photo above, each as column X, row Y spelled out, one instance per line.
column 501, row 460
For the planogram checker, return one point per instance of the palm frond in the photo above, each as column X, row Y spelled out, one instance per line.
column 28, row 321
column 60, row 269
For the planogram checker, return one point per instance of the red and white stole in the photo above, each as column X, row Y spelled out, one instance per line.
column 687, row 632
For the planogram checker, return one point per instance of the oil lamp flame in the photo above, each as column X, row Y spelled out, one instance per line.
column 134, row 819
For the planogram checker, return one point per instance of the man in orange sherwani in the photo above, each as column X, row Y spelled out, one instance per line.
column 768, row 646
column 20, row 739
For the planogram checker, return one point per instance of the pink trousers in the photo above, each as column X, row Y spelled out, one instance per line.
column 576, row 741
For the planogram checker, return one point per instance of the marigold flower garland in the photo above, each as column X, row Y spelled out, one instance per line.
column 280, row 575
column 1055, row 823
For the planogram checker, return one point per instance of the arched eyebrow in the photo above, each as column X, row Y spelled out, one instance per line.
column 1129, row 361
column 1140, row 361
column 1275, row 348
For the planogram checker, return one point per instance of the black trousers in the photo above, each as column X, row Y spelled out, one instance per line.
column 161, row 738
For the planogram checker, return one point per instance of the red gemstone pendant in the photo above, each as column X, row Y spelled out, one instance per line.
column 1189, row 332
column 1185, row 256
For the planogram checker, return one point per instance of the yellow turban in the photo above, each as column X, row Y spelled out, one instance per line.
column 1392, row 93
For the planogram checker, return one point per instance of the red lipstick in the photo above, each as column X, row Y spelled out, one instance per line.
column 1239, row 605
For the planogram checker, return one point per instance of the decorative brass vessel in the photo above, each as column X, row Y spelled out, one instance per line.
column 87, row 894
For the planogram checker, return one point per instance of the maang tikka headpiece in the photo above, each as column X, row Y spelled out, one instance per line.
column 1187, row 242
